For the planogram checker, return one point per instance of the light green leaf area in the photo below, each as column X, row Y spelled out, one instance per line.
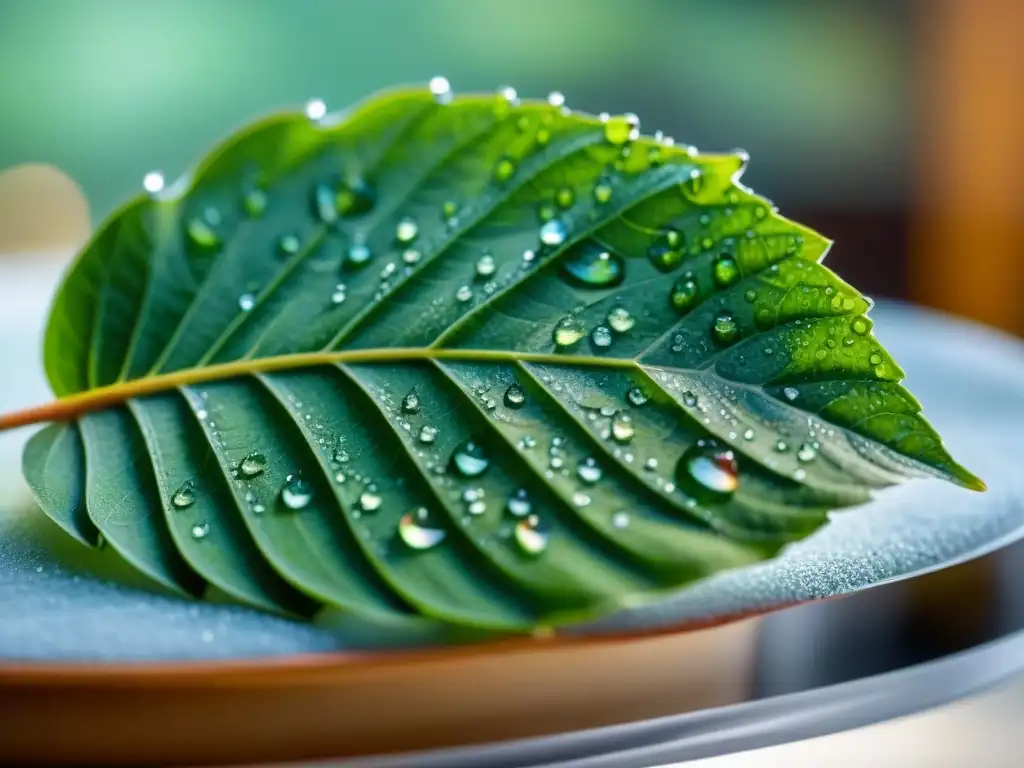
column 466, row 361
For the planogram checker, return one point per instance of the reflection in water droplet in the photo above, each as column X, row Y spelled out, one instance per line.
column 592, row 266
column 411, row 402
column 725, row 329
column 428, row 434
column 463, row 294
column 601, row 337
column 602, row 192
column 684, row 293
column 860, row 326
column 620, row 520
column 580, row 499
column 411, row 256
column 485, row 265
column 588, row 471
column 469, row 459
column 726, row 270
column 568, row 331
column 296, row 493
column 406, row 230
column 441, row 90
column 253, row 464
column 781, row 446
column 246, row 302
column 531, row 535
column 518, row 504
column 636, row 396
column 791, row 393
column 416, row 530
column 515, row 396
column 565, row 197
column 620, row 320
column 622, row 428
column 748, row 435
column 708, row 470
column 358, row 254
column 185, row 496
column 556, row 99
column 553, row 232
column 370, row 502
column 200, row 530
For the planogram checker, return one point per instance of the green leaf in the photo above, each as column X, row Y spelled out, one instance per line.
column 461, row 361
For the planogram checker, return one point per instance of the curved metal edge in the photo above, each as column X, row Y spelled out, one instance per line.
column 737, row 728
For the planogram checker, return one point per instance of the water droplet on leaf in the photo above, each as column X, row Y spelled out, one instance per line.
column 531, row 535
column 601, row 337
column 726, row 270
column 588, row 471
column 415, row 530
column 684, row 293
column 406, row 230
column 553, row 233
column 296, row 493
column 185, row 496
column 708, row 470
column 518, row 504
column 253, row 464
column 568, row 331
column 620, row 320
column 411, row 402
column 469, row 459
column 592, row 266
column 725, row 329
column 515, row 396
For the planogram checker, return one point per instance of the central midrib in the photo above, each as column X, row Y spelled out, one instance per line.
column 74, row 405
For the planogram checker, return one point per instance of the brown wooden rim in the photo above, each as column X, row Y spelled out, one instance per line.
column 307, row 668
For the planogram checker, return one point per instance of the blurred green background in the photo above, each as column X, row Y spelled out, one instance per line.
column 817, row 92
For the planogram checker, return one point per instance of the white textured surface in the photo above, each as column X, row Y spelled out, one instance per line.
column 967, row 378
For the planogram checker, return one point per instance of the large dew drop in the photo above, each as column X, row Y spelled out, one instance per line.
column 416, row 531
column 725, row 330
column 621, row 129
column 515, row 397
column 296, row 493
column 708, row 471
column 185, row 496
column 252, row 465
column 589, row 471
column 568, row 331
column 518, row 504
column 469, row 459
column 411, row 402
column 683, row 294
column 358, row 255
column 553, row 233
column 202, row 231
column 406, row 230
column 592, row 266
column 531, row 535
column 620, row 320
column 726, row 270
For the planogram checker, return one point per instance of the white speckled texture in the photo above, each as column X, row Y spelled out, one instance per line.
column 968, row 379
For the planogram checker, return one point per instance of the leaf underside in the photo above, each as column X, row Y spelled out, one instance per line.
column 472, row 361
